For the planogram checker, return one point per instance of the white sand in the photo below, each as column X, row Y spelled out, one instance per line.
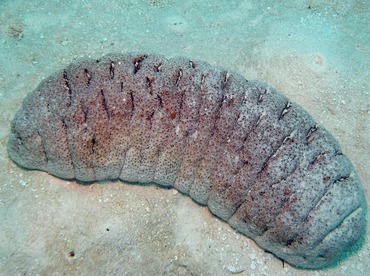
column 316, row 52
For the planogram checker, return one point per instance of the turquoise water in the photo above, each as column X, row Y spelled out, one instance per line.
column 315, row 52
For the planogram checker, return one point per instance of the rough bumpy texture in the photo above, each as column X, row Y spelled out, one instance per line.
column 257, row 160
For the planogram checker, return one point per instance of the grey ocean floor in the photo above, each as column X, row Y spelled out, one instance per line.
column 315, row 52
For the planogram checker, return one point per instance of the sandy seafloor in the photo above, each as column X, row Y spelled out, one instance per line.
column 315, row 52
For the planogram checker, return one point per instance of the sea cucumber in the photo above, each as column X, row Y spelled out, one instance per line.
column 255, row 158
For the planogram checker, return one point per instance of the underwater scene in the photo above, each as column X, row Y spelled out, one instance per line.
column 143, row 137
